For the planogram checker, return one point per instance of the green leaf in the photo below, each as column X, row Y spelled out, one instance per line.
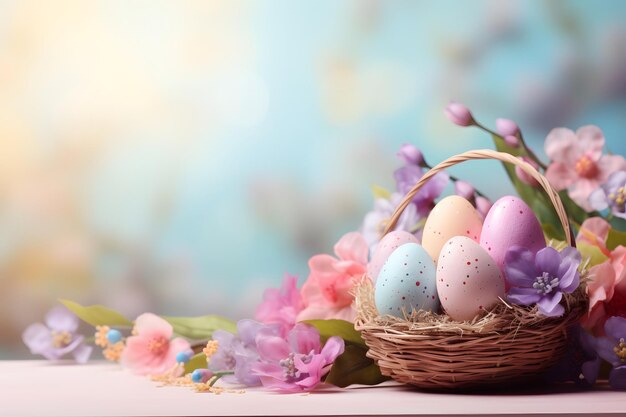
column 353, row 367
column 550, row 231
column 197, row 361
column 615, row 238
column 97, row 315
column 341, row 328
column 200, row 328
column 592, row 252
column 380, row 192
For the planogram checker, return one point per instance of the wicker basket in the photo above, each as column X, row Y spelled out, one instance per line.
column 508, row 345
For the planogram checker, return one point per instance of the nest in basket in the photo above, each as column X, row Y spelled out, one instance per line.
column 509, row 343
column 470, row 346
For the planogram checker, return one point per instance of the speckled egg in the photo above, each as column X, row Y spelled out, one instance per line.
column 406, row 282
column 389, row 243
column 452, row 216
column 510, row 222
column 468, row 279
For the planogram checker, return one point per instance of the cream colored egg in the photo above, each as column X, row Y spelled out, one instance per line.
column 468, row 279
column 452, row 216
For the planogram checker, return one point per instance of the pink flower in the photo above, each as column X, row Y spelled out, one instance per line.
column 458, row 114
column 578, row 163
column 298, row 363
column 326, row 292
column 281, row 305
column 150, row 351
column 607, row 284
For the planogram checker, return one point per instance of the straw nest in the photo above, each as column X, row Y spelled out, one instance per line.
column 507, row 344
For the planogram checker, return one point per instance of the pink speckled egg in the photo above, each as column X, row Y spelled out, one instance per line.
column 468, row 279
column 389, row 243
column 510, row 222
column 452, row 216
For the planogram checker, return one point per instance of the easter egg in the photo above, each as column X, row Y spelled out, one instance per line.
column 452, row 216
column 468, row 279
column 406, row 282
column 389, row 243
column 510, row 222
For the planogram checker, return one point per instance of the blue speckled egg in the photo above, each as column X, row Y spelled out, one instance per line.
column 406, row 282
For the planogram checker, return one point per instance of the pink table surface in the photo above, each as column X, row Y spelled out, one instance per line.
column 39, row 388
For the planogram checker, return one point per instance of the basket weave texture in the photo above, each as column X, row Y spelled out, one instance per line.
column 508, row 344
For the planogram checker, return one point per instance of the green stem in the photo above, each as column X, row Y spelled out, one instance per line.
column 530, row 152
column 218, row 375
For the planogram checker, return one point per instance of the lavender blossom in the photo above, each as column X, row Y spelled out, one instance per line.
column 542, row 278
column 376, row 220
column 407, row 176
column 57, row 337
column 611, row 194
column 239, row 353
column 612, row 349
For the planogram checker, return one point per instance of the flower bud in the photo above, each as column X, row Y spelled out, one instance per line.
column 512, row 141
column 410, row 155
column 114, row 336
column 201, row 375
column 523, row 176
column 506, row 127
column 183, row 357
column 483, row 205
column 464, row 189
column 459, row 114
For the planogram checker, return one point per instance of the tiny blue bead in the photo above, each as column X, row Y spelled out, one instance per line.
column 196, row 376
column 182, row 357
column 114, row 336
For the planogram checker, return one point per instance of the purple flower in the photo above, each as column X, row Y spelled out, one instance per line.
column 376, row 220
column 611, row 194
column 281, row 305
column 298, row 363
column 239, row 352
column 57, row 337
column 458, row 114
column 410, row 155
column 580, row 363
column 612, row 348
column 407, row 176
column 543, row 278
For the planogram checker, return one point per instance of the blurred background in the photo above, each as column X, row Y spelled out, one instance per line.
column 180, row 156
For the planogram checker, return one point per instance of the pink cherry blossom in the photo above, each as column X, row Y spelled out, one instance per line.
column 327, row 291
column 607, row 281
column 150, row 351
column 281, row 305
column 577, row 162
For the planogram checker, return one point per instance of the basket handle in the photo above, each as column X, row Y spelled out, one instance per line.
column 489, row 154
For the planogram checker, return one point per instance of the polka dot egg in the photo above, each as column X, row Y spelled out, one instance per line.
column 388, row 244
column 468, row 279
column 406, row 282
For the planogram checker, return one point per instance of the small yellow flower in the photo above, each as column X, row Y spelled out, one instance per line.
column 113, row 352
column 101, row 336
column 210, row 349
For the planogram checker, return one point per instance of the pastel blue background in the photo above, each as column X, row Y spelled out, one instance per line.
column 180, row 157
